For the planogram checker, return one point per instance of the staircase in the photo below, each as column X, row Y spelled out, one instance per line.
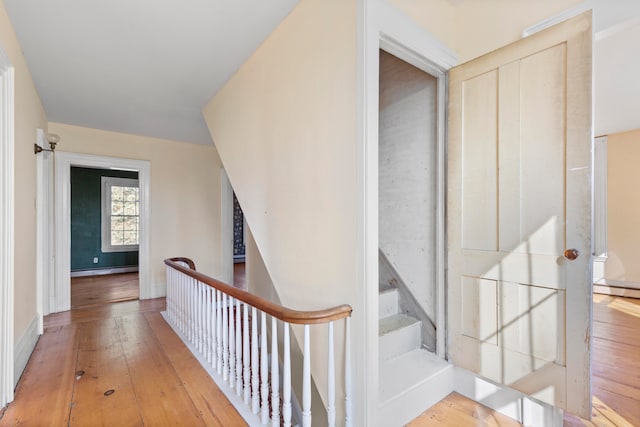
column 411, row 379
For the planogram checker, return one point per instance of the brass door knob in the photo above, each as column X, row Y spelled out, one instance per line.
column 571, row 254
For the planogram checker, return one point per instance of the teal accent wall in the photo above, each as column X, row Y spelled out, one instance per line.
column 85, row 221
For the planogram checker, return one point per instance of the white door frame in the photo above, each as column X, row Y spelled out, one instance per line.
column 226, row 224
column 389, row 29
column 61, row 286
column 7, row 141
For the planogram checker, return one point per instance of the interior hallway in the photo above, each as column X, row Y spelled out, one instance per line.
column 127, row 347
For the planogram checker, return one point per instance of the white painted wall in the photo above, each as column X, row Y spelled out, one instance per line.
column 407, row 175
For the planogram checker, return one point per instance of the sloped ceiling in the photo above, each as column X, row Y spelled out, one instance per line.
column 144, row 67
column 147, row 67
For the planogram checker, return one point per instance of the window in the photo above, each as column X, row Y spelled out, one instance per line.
column 120, row 214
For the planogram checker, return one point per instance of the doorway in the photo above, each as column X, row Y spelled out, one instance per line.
column 407, row 183
column 104, row 236
column 59, row 286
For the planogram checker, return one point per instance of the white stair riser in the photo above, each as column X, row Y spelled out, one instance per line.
column 388, row 303
column 406, row 407
column 399, row 341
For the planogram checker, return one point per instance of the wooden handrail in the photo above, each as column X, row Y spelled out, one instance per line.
column 283, row 313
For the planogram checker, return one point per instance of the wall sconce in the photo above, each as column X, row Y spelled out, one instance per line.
column 53, row 139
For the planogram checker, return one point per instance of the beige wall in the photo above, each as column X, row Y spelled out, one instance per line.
column 623, row 210
column 29, row 115
column 285, row 128
column 473, row 28
column 185, row 193
column 436, row 16
column 483, row 26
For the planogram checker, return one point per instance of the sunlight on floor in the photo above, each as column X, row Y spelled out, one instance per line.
column 598, row 298
column 626, row 307
column 603, row 413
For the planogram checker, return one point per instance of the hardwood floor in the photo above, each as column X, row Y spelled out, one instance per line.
column 128, row 348
column 239, row 275
column 116, row 365
column 615, row 375
column 615, row 369
column 96, row 290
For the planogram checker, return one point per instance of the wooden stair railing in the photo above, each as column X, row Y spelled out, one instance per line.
column 219, row 323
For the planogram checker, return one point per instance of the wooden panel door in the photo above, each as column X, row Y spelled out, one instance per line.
column 519, row 196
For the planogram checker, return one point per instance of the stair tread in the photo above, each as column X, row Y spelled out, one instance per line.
column 397, row 321
column 402, row 373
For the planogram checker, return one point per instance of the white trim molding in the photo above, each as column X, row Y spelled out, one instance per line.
column 24, row 347
column 45, row 226
column 226, row 223
column 64, row 160
column 600, row 240
column 560, row 17
column 103, row 271
column 7, row 142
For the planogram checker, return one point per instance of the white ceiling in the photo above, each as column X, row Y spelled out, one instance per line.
column 145, row 67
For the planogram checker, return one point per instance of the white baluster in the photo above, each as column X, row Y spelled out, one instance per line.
column 264, row 369
column 255, row 378
column 286, row 378
column 348, row 421
column 306, row 381
column 208, row 322
column 190, row 309
column 199, row 301
column 238, row 349
column 225, row 338
column 246, row 354
column 331, row 382
column 219, row 323
column 232, row 346
column 201, row 314
column 275, row 375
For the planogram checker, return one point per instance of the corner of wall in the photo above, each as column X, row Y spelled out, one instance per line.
column 23, row 348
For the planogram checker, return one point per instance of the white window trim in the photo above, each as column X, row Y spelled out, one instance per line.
column 105, row 218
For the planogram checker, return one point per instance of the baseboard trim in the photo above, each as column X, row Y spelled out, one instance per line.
column 23, row 349
column 607, row 289
column 507, row 401
column 620, row 284
column 103, row 271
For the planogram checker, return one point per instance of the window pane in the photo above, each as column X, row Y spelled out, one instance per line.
column 117, row 223
column 130, row 194
column 117, row 208
column 117, row 238
column 129, row 208
column 116, row 193
column 131, row 223
column 130, row 237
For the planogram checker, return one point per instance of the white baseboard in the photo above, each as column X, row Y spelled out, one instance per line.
column 615, row 291
column 619, row 284
column 507, row 401
column 23, row 349
column 103, row 271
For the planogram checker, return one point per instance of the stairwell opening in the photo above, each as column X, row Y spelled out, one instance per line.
column 410, row 234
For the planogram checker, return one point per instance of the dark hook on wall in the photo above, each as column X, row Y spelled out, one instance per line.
column 53, row 139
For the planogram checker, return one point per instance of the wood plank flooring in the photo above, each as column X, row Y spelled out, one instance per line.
column 116, row 365
column 90, row 291
column 615, row 375
column 127, row 347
